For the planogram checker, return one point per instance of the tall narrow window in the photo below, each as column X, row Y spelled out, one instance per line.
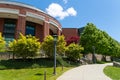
column 9, row 29
column 30, row 28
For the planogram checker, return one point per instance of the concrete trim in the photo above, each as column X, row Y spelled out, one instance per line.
column 30, row 14
column 20, row 4
column 47, row 21
column 60, row 29
column 8, row 10
column 55, row 24
column 22, row 15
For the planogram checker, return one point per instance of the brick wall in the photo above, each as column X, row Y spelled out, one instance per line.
column 1, row 25
column 69, row 32
column 39, row 32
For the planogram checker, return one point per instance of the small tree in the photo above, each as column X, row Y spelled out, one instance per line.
column 61, row 45
column 73, row 39
column 48, row 45
column 25, row 46
column 13, row 47
column 2, row 43
column 73, row 51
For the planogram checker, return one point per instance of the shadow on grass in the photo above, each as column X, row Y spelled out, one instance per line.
column 43, row 74
column 34, row 63
column 38, row 74
column 23, row 64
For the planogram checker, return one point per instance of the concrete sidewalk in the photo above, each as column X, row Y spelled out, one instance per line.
column 86, row 72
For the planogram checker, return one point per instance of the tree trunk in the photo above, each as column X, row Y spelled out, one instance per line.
column 13, row 56
column 104, row 58
column 112, row 59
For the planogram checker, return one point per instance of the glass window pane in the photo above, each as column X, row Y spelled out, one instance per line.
column 30, row 28
column 9, row 29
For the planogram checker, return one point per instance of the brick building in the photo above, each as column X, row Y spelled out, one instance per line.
column 18, row 18
column 70, row 32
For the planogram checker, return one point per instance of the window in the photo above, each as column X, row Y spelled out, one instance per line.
column 9, row 29
column 30, row 28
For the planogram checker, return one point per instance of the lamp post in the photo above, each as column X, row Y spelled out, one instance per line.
column 55, row 42
column 93, row 55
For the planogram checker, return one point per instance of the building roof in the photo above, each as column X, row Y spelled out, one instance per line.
column 20, row 4
column 26, row 6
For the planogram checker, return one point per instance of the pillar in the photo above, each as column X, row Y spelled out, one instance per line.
column 39, row 32
column 46, row 28
column 59, row 32
column 21, row 23
column 1, row 25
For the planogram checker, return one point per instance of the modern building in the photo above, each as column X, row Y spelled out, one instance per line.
column 18, row 18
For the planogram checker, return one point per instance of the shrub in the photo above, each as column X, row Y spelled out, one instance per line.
column 48, row 45
column 25, row 46
column 2, row 43
column 73, row 51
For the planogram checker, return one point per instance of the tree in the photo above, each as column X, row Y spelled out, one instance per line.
column 2, row 43
column 103, row 43
column 48, row 45
column 61, row 45
column 73, row 39
column 89, row 37
column 13, row 48
column 73, row 51
column 25, row 46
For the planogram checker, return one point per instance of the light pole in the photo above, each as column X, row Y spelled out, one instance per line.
column 93, row 55
column 55, row 42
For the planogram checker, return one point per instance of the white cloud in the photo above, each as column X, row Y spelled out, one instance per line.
column 71, row 11
column 57, row 10
column 65, row 1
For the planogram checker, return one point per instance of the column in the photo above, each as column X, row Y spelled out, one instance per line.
column 39, row 32
column 1, row 25
column 59, row 32
column 46, row 28
column 21, row 24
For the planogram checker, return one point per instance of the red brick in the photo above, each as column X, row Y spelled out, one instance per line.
column 1, row 25
column 69, row 32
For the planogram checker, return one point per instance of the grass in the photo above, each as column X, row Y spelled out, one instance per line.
column 32, row 69
column 30, row 74
column 112, row 72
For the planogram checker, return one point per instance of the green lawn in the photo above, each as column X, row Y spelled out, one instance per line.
column 112, row 72
column 30, row 74
column 32, row 69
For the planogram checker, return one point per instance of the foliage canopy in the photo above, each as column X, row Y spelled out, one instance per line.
column 48, row 45
column 104, row 44
column 25, row 46
column 73, row 51
column 2, row 43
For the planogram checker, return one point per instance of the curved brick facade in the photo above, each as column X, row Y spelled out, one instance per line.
column 22, row 13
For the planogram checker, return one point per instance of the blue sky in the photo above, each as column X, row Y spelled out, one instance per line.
column 105, row 14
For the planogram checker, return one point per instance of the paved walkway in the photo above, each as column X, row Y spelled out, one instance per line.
column 86, row 72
